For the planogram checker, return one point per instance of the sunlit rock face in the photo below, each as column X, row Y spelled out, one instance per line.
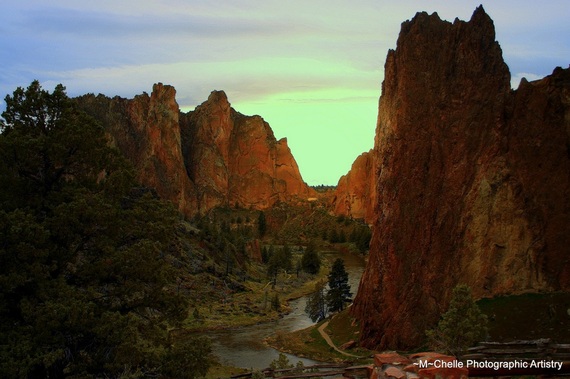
column 236, row 160
column 212, row 156
column 472, row 180
column 355, row 192
column 145, row 129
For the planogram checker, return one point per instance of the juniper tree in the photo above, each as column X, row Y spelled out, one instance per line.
column 462, row 325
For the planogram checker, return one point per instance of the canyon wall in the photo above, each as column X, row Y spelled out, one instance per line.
column 472, row 180
column 212, row 156
column 236, row 160
column 355, row 192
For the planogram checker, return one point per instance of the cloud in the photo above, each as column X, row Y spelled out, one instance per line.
column 271, row 57
column 243, row 80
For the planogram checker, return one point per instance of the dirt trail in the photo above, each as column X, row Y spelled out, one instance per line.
column 327, row 338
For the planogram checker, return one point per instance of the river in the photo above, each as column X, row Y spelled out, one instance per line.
column 244, row 347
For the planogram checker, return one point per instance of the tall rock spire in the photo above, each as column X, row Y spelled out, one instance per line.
column 461, row 195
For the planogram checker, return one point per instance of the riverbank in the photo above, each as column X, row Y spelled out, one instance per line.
column 237, row 345
column 258, row 302
column 331, row 340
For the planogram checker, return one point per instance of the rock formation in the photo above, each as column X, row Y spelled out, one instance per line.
column 212, row 156
column 145, row 129
column 355, row 192
column 472, row 180
column 236, row 160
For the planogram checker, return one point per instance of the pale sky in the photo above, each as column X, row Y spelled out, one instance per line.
column 312, row 69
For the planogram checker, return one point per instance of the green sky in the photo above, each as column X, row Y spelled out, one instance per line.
column 312, row 69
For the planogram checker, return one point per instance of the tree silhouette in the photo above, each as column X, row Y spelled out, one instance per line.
column 339, row 289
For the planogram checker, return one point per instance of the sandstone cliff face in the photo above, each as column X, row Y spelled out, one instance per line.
column 472, row 180
column 355, row 192
column 236, row 160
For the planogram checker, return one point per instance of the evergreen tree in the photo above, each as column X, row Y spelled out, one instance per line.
column 461, row 326
column 339, row 289
column 86, row 288
column 333, row 236
column 316, row 306
column 261, row 224
column 276, row 303
column 311, row 261
column 363, row 240
column 264, row 255
column 342, row 236
column 286, row 258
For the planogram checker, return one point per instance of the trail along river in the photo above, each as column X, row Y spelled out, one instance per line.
column 244, row 347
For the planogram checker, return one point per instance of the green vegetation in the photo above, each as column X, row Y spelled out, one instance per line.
column 322, row 301
column 261, row 224
column 309, row 343
column 323, row 188
column 339, row 289
column 282, row 362
column 101, row 278
column 461, row 326
column 311, row 261
column 88, row 282
column 528, row 316
column 316, row 306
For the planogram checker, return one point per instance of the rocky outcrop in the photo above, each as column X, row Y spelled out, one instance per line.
column 236, row 160
column 212, row 156
column 472, row 180
column 145, row 129
column 355, row 192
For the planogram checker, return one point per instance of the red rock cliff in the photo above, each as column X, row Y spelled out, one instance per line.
column 473, row 180
column 146, row 131
column 236, row 160
column 355, row 192
column 201, row 159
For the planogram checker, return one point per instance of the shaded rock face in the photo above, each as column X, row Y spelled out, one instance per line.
column 236, row 160
column 471, row 184
column 145, row 129
column 355, row 192
column 212, row 156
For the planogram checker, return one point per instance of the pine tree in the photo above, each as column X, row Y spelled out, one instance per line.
column 310, row 261
column 261, row 224
column 316, row 307
column 86, row 288
column 339, row 289
column 461, row 326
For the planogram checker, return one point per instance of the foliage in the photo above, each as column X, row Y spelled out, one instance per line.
column 261, row 224
column 276, row 303
column 311, row 261
column 339, row 289
column 257, row 374
column 316, row 306
column 361, row 236
column 461, row 326
column 282, row 259
column 86, row 284
column 282, row 362
column 189, row 358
